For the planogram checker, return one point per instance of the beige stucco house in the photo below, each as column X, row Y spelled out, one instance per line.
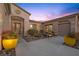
column 13, row 18
column 63, row 25
column 17, row 20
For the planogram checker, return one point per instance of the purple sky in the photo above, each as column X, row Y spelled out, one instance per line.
column 48, row 11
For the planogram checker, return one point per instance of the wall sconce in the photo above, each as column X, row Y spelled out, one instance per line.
column 31, row 26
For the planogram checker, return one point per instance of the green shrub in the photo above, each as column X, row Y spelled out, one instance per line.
column 41, row 32
column 32, row 32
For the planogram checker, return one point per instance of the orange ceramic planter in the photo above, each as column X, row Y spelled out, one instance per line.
column 9, row 43
column 69, row 41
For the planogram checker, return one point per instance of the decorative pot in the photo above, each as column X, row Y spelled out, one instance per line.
column 69, row 41
column 9, row 43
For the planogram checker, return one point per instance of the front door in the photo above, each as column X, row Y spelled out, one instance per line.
column 18, row 25
column 17, row 28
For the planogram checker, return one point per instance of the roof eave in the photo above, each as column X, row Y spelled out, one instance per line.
column 21, row 8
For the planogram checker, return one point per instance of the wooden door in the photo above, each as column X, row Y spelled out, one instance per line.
column 17, row 28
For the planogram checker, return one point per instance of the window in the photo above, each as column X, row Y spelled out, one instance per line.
column 49, row 27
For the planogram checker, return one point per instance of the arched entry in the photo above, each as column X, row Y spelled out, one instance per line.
column 17, row 25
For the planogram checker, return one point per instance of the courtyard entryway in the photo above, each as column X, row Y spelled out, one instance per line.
column 45, row 47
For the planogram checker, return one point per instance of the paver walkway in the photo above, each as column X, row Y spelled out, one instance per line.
column 45, row 47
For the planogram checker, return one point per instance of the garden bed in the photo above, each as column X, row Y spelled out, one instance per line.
column 33, row 34
column 28, row 39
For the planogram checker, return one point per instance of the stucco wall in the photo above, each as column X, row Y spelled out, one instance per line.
column 7, row 23
column 38, row 25
column 1, row 20
column 22, row 14
column 78, row 23
column 72, row 21
column 55, row 27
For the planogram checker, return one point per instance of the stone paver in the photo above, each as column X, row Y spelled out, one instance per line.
column 45, row 47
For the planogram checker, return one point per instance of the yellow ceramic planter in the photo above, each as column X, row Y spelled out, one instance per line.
column 9, row 43
column 69, row 41
column 0, row 42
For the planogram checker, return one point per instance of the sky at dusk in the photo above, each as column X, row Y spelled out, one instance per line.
column 48, row 11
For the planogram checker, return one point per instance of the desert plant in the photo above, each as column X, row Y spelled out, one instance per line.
column 32, row 32
column 43, row 33
column 8, row 35
column 71, row 35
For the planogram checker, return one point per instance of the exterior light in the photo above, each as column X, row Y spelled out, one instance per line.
column 31, row 26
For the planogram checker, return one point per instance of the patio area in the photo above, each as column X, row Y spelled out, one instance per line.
column 45, row 47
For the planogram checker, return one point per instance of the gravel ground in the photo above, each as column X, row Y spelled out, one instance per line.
column 10, row 52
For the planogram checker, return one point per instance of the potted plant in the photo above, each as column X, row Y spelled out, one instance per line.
column 70, row 39
column 9, row 40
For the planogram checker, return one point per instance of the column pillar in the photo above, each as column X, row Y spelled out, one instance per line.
column 1, row 22
column 76, row 24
